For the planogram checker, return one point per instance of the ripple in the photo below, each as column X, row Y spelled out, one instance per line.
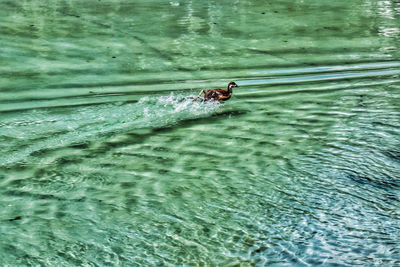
column 107, row 161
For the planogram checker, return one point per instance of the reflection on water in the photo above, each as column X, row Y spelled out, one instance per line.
column 107, row 161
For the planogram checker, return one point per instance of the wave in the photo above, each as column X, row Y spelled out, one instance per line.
column 46, row 129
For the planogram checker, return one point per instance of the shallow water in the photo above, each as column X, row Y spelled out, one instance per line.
column 106, row 160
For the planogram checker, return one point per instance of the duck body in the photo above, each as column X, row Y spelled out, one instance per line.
column 217, row 94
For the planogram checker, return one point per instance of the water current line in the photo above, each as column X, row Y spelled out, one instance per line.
column 320, row 77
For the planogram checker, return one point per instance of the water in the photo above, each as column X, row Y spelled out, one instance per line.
column 106, row 161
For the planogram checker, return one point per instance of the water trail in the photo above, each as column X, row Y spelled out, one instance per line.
column 73, row 125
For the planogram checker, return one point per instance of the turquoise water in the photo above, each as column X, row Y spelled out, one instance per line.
column 106, row 161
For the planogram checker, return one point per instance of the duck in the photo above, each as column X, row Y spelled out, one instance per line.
column 217, row 94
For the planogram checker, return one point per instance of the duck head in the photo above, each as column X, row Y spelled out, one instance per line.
column 231, row 85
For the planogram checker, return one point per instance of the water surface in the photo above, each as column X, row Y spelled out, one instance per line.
column 106, row 161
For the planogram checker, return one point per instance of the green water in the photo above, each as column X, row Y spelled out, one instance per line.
column 106, row 161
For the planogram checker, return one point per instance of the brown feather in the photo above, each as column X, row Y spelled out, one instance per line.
column 217, row 94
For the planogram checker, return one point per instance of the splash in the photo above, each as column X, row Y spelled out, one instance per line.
column 37, row 130
column 165, row 110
